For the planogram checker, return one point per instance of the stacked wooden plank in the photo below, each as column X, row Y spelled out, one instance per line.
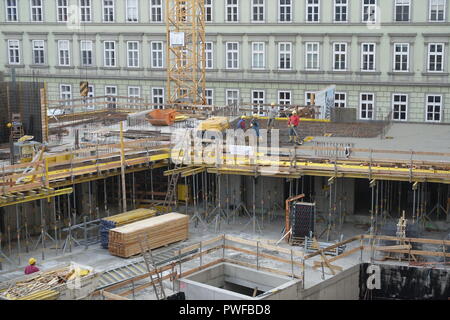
column 214, row 123
column 159, row 231
column 121, row 219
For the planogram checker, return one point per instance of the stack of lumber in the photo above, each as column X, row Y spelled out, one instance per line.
column 159, row 231
column 214, row 123
column 122, row 219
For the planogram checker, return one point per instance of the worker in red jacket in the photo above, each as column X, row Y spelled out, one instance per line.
column 293, row 124
column 31, row 268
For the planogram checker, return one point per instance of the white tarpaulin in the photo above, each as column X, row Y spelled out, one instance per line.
column 176, row 39
column 325, row 99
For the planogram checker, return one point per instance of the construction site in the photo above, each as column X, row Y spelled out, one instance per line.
column 121, row 199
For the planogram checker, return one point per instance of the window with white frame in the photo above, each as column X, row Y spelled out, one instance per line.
column 158, row 98
column 62, row 7
column 85, row 10
column 435, row 57
column 258, row 7
column 91, row 94
column 11, row 10
column 433, row 108
column 437, row 10
column 284, row 99
column 402, row 10
column 65, row 91
column 401, row 56
column 108, row 10
column 232, row 97
column 209, row 95
column 232, row 54
column 232, row 10
column 340, row 99
column 86, row 53
column 109, row 53
column 312, row 55
column 258, row 99
column 340, row 10
column 36, row 11
column 64, row 53
column 369, row 11
column 366, row 106
column 111, row 93
column 285, row 55
column 368, row 56
column 308, row 97
column 209, row 55
column 399, row 107
column 13, row 51
column 156, row 10
column 340, row 56
column 285, row 10
column 258, row 55
column 156, row 48
column 134, row 93
column 38, row 51
column 208, row 11
column 132, row 54
column 313, row 10
column 132, row 10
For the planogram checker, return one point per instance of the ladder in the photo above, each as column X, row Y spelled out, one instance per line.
column 153, row 273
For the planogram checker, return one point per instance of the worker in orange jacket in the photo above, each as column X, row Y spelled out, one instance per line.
column 293, row 124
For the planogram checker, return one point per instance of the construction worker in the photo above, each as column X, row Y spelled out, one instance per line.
column 31, row 268
column 241, row 123
column 272, row 115
column 293, row 124
column 255, row 125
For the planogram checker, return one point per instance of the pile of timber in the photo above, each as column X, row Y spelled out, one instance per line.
column 121, row 219
column 159, row 231
column 214, row 123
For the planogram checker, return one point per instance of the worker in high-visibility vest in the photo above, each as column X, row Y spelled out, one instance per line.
column 31, row 268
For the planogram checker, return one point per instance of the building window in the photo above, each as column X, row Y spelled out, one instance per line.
column 14, row 51
column 91, row 94
column 36, row 10
column 258, row 55
column 285, row 10
column 308, row 96
column 62, row 9
column 340, row 99
column 401, row 57
column 369, row 11
column 435, row 57
column 399, row 107
column 209, row 55
column 85, row 10
column 258, row 10
column 209, row 95
column 157, row 54
column 402, row 10
column 64, row 53
column 368, row 56
column 65, row 92
column 366, row 106
column 434, row 108
column 108, row 10
column 284, row 99
column 340, row 56
column 232, row 55
column 133, row 54
column 11, row 10
column 86, row 53
column 38, row 51
column 208, row 10
column 312, row 10
column 134, row 94
column 340, row 10
column 156, row 10
column 110, row 53
column 232, row 97
column 111, row 93
column 284, row 55
column 158, row 98
column 132, row 11
column 437, row 10
column 312, row 56
column 258, row 100
column 232, row 10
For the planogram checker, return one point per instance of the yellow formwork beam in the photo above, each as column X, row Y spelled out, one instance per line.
column 13, row 199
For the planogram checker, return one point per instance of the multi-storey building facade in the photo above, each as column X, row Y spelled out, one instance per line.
column 384, row 56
